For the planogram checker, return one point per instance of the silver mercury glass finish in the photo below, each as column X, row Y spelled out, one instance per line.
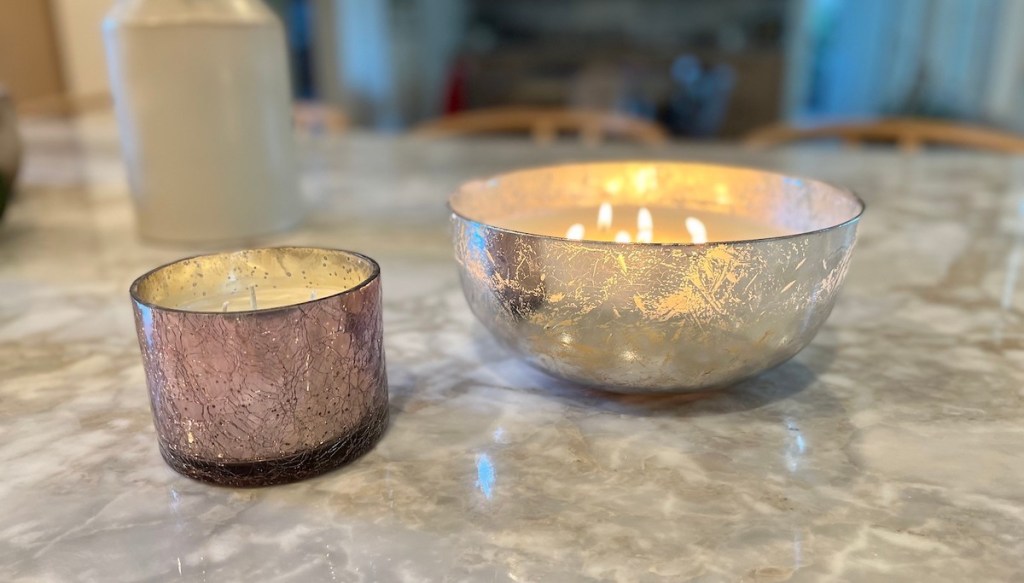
column 645, row 317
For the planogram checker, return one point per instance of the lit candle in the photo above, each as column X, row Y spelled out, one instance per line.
column 641, row 224
column 576, row 232
column 659, row 276
column 644, row 226
column 604, row 216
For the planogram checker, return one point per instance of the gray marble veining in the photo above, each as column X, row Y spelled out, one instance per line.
column 890, row 449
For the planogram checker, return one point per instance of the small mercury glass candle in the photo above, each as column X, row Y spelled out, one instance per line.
column 264, row 366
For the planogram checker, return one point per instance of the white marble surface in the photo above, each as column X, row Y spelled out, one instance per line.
column 890, row 449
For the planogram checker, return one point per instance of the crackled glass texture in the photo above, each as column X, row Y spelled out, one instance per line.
column 258, row 397
column 630, row 317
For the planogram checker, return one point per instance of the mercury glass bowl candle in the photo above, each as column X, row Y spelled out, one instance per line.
column 653, row 277
column 264, row 366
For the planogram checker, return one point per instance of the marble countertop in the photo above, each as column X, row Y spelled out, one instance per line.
column 892, row 448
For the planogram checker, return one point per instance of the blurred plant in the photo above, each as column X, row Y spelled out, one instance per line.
column 700, row 96
column 10, row 149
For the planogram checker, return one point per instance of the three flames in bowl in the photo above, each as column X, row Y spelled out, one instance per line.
column 644, row 227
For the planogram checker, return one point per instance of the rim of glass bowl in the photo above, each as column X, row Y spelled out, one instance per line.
column 839, row 189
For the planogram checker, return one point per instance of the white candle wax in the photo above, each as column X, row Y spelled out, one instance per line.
column 266, row 298
column 242, row 300
column 255, row 279
column 661, row 225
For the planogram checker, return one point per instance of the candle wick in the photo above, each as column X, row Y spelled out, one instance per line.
column 252, row 297
column 224, row 306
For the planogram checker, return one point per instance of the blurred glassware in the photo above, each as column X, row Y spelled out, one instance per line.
column 10, row 149
column 314, row 118
column 700, row 96
column 203, row 102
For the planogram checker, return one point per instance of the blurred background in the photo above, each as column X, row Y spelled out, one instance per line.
column 699, row 69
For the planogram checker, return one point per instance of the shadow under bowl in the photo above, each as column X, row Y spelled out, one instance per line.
column 647, row 317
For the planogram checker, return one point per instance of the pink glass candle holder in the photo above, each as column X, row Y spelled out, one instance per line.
column 264, row 366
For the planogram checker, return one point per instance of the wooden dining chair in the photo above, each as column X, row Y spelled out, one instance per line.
column 909, row 134
column 544, row 124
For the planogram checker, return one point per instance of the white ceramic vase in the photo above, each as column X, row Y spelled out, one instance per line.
column 203, row 101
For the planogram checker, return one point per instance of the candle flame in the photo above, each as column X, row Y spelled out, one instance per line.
column 604, row 216
column 644, row 220
column 622, row 237
column 645, row 236
column 698, row 232
column 576, row 232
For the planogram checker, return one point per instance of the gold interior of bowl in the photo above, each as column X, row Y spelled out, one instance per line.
column 328, row 271
column 797, row 205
